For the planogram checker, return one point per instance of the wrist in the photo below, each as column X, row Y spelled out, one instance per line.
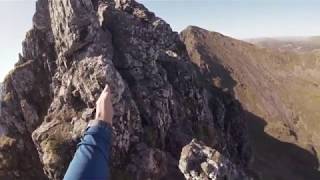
column 104, row 118
column 99, row 123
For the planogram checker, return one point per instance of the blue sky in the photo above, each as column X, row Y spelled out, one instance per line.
column 16, row 20
column 237, row 18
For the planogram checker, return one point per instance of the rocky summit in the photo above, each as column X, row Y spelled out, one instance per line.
column 161, row 99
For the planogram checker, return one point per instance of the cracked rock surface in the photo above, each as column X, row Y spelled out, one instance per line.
column 161, row 100
column 200, row 162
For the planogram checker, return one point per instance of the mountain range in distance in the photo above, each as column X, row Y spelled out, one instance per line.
column 295, row 44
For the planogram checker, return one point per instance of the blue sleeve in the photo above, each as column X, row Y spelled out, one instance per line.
column 91, row 160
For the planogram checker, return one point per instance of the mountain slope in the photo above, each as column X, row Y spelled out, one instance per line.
column 280, row 89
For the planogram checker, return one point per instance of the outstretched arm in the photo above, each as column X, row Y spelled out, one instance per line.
column 91, row 160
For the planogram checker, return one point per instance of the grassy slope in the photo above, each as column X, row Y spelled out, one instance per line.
column 282, row 90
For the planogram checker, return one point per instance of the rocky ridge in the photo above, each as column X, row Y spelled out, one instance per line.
column 161, row 99
column 279, row 91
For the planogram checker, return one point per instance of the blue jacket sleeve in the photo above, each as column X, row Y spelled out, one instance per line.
column 91, row 160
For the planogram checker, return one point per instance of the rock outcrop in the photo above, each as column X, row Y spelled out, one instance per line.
column 161, row 99
column 200, row 162
column 280, row 93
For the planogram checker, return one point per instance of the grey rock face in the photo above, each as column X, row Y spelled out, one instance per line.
column 161, row 101
column 200, row 162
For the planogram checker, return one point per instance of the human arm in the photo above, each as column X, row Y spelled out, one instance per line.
column 91, row 160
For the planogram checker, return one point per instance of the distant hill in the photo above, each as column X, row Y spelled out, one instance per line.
column 280, row 89
column 297, row 44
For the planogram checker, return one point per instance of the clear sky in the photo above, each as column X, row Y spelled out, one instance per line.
column 237, row 18
column 16, row 20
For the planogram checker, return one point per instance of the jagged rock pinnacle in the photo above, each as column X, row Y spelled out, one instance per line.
column 159, row 97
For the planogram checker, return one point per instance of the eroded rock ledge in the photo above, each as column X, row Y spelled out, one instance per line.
column 200, row 162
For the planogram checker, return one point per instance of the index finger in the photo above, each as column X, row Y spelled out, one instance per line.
column 106, row 88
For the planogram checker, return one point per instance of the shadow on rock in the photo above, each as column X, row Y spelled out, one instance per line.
column 274, row 159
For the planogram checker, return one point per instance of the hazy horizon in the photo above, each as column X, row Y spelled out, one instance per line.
column 245, row 19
